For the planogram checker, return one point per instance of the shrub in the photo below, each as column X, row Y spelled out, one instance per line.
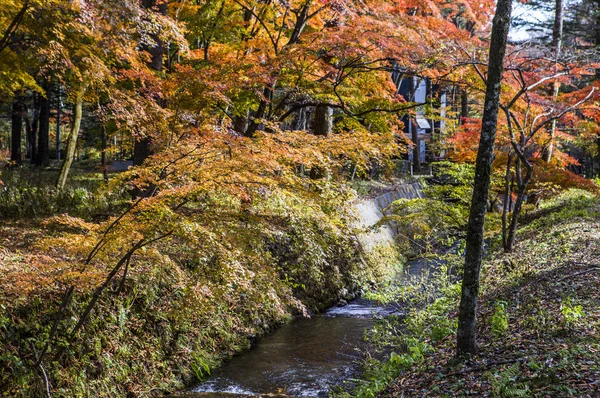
column 500, row 319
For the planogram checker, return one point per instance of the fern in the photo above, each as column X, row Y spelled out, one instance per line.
column 504, row 384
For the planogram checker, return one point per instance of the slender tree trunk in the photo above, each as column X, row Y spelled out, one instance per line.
column 28, row 132
column 103, row 153
column 34, row 129
column 506, row 202
column 301, row 118
column 58, row 116
column 467, row 318
column 72, row 141
column 598, row 31
column 16, row 129
column 416, row 146
column 514, row 221
column 557, row 28
column 414, row 132
column 557, row 38
column 454, row 102
column 522, row 186
column 206, row 50
column 597, row 171
column 464, row 106
column 43, row 149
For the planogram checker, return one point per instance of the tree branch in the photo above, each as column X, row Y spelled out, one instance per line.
column 13, row 26
column 259, row 19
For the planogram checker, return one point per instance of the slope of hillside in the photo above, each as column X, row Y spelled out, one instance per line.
column 538, row 319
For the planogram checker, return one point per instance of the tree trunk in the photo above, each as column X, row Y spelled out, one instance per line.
column 413, row 131
column 557, row 38
column 467, row 318
column 142, row 147
column 464, row 106
column 522, row 182
column 506, row 202
column 322, row 125
column 597, row 172
column 58, row 116
column 416, row 146
column 597, row 31
column 30, row 125
column 240, row 123
column 141, row 150
column 43, row 149
column 260, row 112
column 323, row 122
column 301, row 19
column 33, row 134
column 300, row 121
column 16, row 129
column 157, row 50
column 103, row 164
column 28, row 133
column 72, row 141
column 557, row 28
column 512, row 229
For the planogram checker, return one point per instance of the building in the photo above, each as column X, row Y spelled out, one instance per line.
column 427, row 123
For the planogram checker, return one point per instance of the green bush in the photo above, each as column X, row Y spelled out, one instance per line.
column 500, row 319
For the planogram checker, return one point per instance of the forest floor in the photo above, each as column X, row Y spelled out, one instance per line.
column 538, row 320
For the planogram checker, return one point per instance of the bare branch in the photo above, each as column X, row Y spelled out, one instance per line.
column 259, row 19
column 564, row 112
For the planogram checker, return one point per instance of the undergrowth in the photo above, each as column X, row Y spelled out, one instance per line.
column 181, row 306
column 30, row 193
column 539, row 318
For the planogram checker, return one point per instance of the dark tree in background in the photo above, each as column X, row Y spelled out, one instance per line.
column 142, row 146
column 18, row 107
column 42, row 157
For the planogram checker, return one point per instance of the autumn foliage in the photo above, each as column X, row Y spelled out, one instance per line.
column 255, row 115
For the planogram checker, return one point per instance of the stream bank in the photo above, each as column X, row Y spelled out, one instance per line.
column 184, row 305
column 308, row 356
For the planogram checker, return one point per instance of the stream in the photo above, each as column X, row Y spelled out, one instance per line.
column 306, row 357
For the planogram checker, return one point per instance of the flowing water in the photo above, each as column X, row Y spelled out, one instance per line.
column 306, row 357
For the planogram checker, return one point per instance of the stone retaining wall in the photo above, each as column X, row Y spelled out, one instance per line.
column 371, row 210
